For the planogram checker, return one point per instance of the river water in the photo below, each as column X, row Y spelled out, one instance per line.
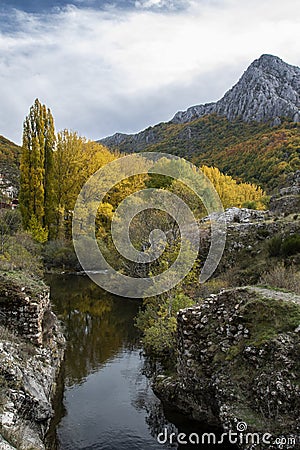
column 104, row 400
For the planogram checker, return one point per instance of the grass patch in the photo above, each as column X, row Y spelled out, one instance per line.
column 16, row 280
column 266, row 318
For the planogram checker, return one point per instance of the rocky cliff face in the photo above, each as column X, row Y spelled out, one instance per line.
column 268, row 90
column 135, row 142
column 287, row 201
column 31, row 351
column 238, row 363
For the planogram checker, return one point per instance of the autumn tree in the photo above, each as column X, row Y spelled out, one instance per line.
column 36, row 178
column 233, row 193
column 75, row 160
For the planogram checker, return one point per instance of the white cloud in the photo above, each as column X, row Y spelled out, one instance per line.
column 121, row 70
column 171, row 5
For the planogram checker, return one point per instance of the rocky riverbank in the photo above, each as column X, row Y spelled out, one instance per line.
column 31, row 351
column 238, row 362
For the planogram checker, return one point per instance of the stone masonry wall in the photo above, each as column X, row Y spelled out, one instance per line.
column 23, row 312
column 238, row 362
column 30, row 360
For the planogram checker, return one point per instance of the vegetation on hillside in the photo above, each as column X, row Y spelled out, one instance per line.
column 265, row 159
column 251, row 152
column 232, row 193
column 55, row 166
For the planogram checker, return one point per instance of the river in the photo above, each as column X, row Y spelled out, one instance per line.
column 104, row 399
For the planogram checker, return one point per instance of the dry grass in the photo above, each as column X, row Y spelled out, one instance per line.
column 282, row 277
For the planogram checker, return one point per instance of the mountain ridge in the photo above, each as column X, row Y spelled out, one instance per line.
column 266, row 92
column 277, row 88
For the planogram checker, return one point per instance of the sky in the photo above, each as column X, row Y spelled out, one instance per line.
column 120, row 66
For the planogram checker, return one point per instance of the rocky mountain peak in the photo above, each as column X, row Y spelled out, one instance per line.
column 269, row 89
column 266, row 61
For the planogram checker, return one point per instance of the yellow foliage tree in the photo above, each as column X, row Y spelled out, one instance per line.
column 75, row 160
column 233, row 193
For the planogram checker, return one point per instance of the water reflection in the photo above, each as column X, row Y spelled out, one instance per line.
column 104, row 400
column 97, row 325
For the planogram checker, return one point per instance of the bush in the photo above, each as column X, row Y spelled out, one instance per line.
column 22, row 253
column 10, row 221
column 21, row 259
column 60, row 254
column 250, row 204
column 159, row 339
column 39, row 233
column 25, row 239
column 158, row 323
column 282, row 277
column 279, row 246
column 274, row 245
column 291, row 245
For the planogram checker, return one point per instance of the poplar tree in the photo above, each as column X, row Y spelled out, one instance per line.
column 36, row 180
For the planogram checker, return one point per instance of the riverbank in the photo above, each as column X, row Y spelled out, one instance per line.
column 31, row 350
column 238, row 363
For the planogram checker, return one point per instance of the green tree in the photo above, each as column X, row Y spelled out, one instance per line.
column 38, row 233
column 36, row 178
column 67, row 162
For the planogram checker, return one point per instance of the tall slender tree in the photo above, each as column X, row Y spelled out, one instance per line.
column 36, row 181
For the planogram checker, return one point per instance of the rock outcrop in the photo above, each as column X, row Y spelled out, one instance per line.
column 268, row 90
column 239, row 215
column 238, row 363
column 31, row 351
column 287, row 201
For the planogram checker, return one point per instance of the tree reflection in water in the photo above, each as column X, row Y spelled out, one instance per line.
column 103, row 346
column 97, row 325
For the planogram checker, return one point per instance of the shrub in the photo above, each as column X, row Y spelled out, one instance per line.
column 159, row 339
column 250, row 204
column 158, row 323
column 60, row 253
column 274, row 245
column 282, row 277
column 25, row 239
column 279, row 246
column 10, row 221
column 21, row 253
column 291, row 245
column 39, row 233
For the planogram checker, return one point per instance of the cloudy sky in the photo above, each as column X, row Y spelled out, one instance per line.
column 107, row 66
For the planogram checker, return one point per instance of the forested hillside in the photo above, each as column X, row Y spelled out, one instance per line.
column 253, row 152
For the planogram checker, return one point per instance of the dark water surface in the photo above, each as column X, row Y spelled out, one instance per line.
column 104, row 400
